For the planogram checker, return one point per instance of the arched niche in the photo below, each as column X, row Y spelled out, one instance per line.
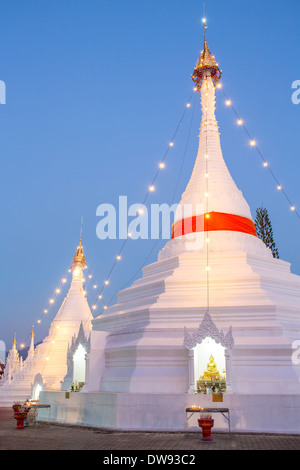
column 77, row 355
column 203, row 342
column 37, row 387
column 79, row 365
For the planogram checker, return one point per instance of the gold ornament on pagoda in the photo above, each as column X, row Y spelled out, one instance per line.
column 206, row 62
column 79, row 258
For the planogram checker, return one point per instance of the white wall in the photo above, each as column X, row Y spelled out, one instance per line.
column 96, row 361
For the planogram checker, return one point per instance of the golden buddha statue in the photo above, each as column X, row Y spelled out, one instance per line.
column 212, row 372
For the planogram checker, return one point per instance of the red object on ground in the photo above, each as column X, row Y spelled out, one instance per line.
column 206, row 425
column 20, row 416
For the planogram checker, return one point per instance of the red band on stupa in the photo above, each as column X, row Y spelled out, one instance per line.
column 213, row 221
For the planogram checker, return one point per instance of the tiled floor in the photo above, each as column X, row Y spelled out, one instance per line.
column 57, row 437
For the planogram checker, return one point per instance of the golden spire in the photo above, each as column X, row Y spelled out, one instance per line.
column 32, row 332
column 205, row 62
column 15, row 341
column 79, row 258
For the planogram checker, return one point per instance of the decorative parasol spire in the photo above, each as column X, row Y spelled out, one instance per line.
column 206, row 62
column 79, row 258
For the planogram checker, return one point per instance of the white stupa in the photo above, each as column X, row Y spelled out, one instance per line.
column 46, row 365
column 2, row 351
column 216, row 290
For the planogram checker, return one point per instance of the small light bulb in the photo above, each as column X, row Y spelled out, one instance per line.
column 95, row 286
column 293, row 208
column 39, row 321
column 279, row 187
column 100, row 296
column 171, row 144
column 203, row 20
column 188, row 105
column 90, row 276
column 162, row 165
column 207, row 268
column 106, row 282
column 118, row 257
column 51, row 301
column 57, row 291
column 105, row 307
column 207, row 216
column 94, row 307
column 45, row 311
column 252, row 143
column 240, row 122
column 151, row 188
column 206, row 156
column 228, row 102
column 265, row 164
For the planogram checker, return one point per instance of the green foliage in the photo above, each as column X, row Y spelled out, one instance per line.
column 264, row 230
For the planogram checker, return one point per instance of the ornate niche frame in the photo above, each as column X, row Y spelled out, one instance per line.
column 208, row 328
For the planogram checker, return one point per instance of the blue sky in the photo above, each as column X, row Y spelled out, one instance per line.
column 95, row 90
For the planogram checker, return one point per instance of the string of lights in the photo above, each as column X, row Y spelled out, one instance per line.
column 49, row 306
column 150, row 190
column 172, row 201
column 118, row 257
column 253, row 143
column 206, row 199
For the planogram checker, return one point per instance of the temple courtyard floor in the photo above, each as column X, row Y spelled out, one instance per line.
column 44, row 436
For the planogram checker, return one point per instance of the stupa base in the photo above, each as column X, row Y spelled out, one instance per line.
column 278, row 414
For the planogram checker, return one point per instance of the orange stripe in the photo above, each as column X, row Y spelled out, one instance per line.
column 213, row 221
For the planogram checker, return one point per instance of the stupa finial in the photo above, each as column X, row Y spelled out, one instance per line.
column 79, row 258
column 81, row 228
column 206, row 62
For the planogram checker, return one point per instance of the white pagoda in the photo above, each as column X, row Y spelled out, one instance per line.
column 46, row 364
column 215, row 306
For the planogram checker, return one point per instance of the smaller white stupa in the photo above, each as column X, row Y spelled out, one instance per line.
column 2, row 351
column 46, row 365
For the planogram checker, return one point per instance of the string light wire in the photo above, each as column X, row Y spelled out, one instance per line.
column 253, row 143
column 150, row 189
